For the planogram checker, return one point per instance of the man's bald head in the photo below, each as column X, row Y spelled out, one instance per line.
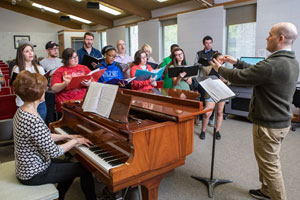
column 288, row 30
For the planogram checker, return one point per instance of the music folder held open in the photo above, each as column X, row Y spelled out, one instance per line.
column 190, row 71
column 76, row 81
column 87, row 61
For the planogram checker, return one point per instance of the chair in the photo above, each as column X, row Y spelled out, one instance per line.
column 6, row 132
column 296, row 101
column 11, row 188
column 8, row 106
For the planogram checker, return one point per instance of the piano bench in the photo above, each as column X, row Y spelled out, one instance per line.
column 12, row 189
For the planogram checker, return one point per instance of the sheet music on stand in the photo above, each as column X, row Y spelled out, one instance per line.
column 100, row 98
column 217, row 90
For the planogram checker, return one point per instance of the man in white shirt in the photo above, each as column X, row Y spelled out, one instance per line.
column 122, row 58
column 51, row 63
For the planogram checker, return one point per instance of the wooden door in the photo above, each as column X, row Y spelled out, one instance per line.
column 61, row 44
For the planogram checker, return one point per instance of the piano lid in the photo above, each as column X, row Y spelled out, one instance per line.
column 172, row 102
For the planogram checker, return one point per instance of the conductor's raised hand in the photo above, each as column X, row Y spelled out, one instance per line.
column 230, row 59
column 216, row 65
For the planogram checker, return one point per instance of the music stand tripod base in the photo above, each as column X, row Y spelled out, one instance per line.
column 211, row 183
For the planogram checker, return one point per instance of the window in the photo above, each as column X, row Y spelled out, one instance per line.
column 241, row 40
column 103, row 40
column 241, row 30
column 133, row 42
column 76, row 43
column 169, row 35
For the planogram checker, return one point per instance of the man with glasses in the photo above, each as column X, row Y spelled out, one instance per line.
column 52, row 62
column 123, row 59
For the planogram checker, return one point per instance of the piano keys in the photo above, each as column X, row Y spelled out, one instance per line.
column 156, row 139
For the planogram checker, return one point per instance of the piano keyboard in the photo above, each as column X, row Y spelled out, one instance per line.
column 100, row 156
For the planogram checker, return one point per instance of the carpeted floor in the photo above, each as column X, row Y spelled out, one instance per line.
column 234, row 160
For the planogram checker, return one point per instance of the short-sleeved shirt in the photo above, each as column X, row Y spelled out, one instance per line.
column 73, row 94
column 51, row 64
column 34, row 147
column 95, row 53
column 16, row 70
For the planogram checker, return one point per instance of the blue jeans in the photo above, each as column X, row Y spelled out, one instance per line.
column 42, row 110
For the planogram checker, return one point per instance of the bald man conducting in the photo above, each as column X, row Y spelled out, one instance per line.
column 274, row 80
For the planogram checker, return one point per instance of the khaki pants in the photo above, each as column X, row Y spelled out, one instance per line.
column 267, row 143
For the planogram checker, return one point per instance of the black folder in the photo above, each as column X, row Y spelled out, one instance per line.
column 87, row 61
column 190, row 71
column 153, row 65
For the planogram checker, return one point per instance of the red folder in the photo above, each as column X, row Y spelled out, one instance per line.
column 76, row 81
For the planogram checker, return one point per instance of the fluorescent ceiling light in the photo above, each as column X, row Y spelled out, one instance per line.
column 78, row 0
column 80, row 19
column 161, row 0
column 109, row 10
column 45, row 8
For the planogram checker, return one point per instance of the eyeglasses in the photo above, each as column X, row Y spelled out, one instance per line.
column 121, row 44
column 179, row 54
column 51, row 49
column 74, row 57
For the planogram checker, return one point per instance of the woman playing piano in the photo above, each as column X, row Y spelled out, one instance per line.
column 35, row 148
column 140, row 60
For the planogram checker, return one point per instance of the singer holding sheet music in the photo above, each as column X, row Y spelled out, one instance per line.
column 88, row 48
column 140, row 60
column 274, row 80
column 63, row 75
column 112, row 70
column 178, row 59
column 210, row 104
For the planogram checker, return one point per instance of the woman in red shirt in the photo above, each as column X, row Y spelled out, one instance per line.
column 140, row 60
column 63, row 75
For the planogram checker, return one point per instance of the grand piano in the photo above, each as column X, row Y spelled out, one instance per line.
column 155, row 138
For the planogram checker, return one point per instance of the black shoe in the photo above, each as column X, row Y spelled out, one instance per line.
column 218, row 135
column 258, row 195
column 202, row 135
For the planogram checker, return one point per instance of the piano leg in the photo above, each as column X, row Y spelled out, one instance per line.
column 150, row 187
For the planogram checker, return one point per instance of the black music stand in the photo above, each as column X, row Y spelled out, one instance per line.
column 211, row 183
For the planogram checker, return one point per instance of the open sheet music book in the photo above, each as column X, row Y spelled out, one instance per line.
column 142, row 75
column 100, row 98
column 116, row 81
column 217, row 90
